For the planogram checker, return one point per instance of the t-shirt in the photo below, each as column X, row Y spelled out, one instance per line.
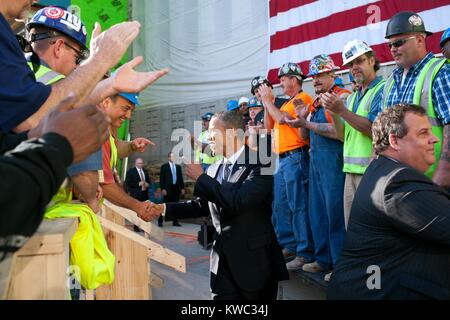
column 20, row 94
column 285, row 137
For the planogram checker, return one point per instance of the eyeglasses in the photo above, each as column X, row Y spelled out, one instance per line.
column 81, row 55
column 357, row 61
column 398, row 43
column 26, row 47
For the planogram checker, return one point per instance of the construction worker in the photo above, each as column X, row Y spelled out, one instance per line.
column 290, row 205
column 259, row 80
column 119, row 108
column 420, row 79
column 58, row 38
column 445, row 44
column 326, row 179
column 358, row 113
column 243, row 108
column 203, row 154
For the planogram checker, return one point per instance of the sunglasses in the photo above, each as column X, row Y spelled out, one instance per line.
column 398, row 43
column 81, row 55
column 25, row 45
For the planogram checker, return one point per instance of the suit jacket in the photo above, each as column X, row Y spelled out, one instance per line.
column 132, row 184
column 400, row 222
column 241, row 212
column 166, row 178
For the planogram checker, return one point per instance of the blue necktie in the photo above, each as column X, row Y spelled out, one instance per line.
column 174, row 173
column 226, row 171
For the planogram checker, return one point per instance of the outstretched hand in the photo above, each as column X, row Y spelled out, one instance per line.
column 126, row 79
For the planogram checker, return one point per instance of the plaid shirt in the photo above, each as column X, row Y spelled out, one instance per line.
column 440, row 94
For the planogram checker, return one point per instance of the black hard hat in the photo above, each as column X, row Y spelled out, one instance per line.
column 405, row 22
column 291, row 69
column 257, row 81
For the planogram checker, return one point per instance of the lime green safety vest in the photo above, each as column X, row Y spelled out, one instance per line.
column 46, row 75
column 422, row 97
column 358, row 146
column 203, row 157
column 113, row 161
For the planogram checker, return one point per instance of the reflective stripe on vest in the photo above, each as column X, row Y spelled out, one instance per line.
column 358, row 146
column 46, row 75
column 422, row 97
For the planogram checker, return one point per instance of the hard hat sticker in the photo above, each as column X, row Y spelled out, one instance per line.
column 54, row 13
column 72, row 21
column 415, row 20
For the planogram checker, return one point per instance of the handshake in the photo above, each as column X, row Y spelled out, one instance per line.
column 148, row 210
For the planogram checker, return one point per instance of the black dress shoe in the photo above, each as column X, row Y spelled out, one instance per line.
column 176, row 224
column 160, row 224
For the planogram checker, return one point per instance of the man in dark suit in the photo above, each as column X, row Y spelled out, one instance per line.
column 246, row 260
column 172, row 184
column 398, row 239
column 138, row 181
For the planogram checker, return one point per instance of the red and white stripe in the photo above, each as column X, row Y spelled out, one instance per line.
column 301, row 29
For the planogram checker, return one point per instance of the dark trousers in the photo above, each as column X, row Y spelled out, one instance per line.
column 173, row 195
column 224, row 287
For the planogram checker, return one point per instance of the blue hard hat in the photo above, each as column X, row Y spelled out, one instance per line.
column 254, row 103
column 207, row 116
column 132, row 97
column 445, row 37
column 338, row 81
column 60, row 20
column 232, row 105
column 350, row 77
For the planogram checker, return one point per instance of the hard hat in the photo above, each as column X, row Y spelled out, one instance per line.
column 354, row 49
column 254, row 103
column 207, row 116
column 338, row 81
column 232, row 105
column 131, row 97
column 320, row 64
column 60, row 20
column 445, row 37
column 291, row 69
column 405, row 22
column 350, row 77
column 243, row 100
column 257, row 81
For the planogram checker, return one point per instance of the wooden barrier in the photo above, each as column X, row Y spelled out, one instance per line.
column 134, row 278
column 40, row 267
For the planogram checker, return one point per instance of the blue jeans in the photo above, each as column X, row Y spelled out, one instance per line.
column 326, row 207
column 290, row 205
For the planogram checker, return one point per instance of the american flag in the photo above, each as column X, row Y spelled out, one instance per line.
column 302, row 29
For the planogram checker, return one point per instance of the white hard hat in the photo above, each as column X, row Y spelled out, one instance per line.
column 353, row 49
column 243, row 100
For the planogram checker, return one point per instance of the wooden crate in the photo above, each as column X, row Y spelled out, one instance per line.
column 40, row 268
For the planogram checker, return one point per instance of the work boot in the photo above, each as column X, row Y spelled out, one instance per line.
column 313, row 267
column 287, row 254
column 296, row 264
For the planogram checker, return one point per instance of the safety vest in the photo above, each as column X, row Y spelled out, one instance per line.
column 422, row 96
column 46, row 75
column 113, row 161
column 204, row 157
column 358, row 146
